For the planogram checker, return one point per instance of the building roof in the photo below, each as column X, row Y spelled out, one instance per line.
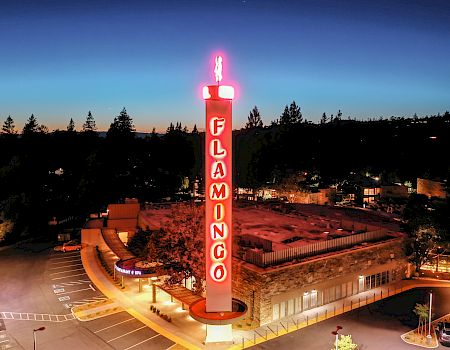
column 123, row 211
column 300, row 225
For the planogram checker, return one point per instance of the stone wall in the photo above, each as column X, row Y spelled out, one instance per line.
column 259, row 287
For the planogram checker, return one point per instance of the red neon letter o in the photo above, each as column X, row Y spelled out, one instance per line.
column 218, row 272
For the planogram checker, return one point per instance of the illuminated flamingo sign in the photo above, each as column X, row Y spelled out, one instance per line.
column 218, row 163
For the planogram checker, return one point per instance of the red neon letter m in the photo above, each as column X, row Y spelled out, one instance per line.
column 218, row 191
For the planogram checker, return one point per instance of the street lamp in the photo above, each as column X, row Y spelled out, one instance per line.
column 34, row 335
column 429, row 319
column 336, row 333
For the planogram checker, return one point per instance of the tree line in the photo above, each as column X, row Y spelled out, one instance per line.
column 46, row 175
column 63, row 173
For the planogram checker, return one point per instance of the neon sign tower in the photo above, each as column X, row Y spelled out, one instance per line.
column 218, row 192
column 219, row 310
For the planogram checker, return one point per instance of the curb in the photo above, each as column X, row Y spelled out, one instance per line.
column 105, row 290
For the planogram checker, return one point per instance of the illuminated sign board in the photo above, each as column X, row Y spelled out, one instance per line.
column 218, row 182
column 128, row 272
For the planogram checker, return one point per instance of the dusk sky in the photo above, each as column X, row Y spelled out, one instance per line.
column 60, row 59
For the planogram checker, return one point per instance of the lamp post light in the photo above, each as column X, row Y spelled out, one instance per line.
column 336, row 333
column 429, row 319
column 34, row 335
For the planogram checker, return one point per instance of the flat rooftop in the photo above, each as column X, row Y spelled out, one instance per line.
column 291, row 225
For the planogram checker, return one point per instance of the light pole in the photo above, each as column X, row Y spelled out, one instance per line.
column 336, row 333
column 429, row 319
column 34, row 335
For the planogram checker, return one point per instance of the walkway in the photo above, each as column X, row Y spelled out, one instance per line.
column 138, row 304
column 115, row 244
column 245, row 339
column 27, row 316
column 191, row 334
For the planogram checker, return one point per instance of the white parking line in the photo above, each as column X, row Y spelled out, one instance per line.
column 58, row 273
column 123, row 335
column 61, row 267
column 74, row 291
column 170, row 347
column 65, row 257
column 60, row 278
column 132, row 346
column 64, row 262
column 72, row 283
column 103, row 329
column 23, row 316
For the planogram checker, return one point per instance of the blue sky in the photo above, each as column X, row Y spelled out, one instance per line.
column 60, row 59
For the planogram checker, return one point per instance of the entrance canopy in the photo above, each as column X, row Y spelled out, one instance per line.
column 181, row 293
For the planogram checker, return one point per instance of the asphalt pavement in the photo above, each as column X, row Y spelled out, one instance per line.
column 39, row 287
column 377, row 326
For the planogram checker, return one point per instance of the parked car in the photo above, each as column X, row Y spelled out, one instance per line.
column 71, row 246
column 444, row 333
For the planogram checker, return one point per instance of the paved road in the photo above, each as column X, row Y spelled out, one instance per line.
column 374, row 327
column 38, row 289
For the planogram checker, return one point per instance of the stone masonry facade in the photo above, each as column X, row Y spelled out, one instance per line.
column 259, row 287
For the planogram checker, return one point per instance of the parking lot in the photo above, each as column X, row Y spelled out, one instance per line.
column 71, row 286
column 124, row 332
column 39, row 288
column 69, row 282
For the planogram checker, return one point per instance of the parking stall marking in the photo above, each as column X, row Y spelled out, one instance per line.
column 66, row 254
column 64, row 258
column 61, row 272
column 76, row 291
column 132, row 346
column 123, row 335
column 61, row 267
column 61, row 278
column 65, row 262
column 73, row 283
column 103, row 329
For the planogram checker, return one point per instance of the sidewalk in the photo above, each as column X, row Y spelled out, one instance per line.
column 245, row 339
column 138, row 304
column 189, row 333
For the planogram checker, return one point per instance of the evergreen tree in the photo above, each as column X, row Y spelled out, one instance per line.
column 89, row 125
column 295, row 113
column 194, row 130
column 291, row 115
column 122, row 125
column 31, row 126
column 71, row 126
column 9, row 127
column 43, row 129
column 254, row 119
column 285, row 118
column 170, row 129
column 324, row 119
